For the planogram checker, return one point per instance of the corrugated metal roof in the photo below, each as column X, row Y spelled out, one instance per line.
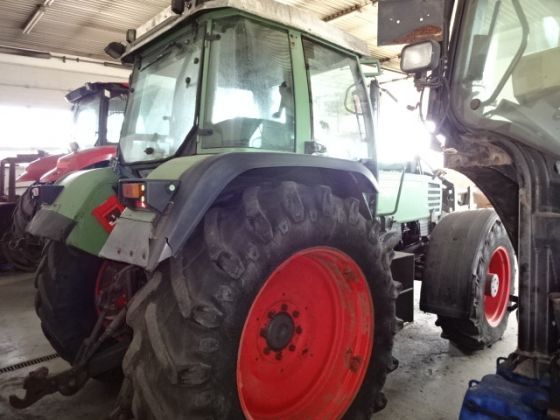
column 271, row 10
column 73, row 26
column 84, row 28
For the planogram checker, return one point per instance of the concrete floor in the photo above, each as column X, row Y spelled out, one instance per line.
column 429, row 384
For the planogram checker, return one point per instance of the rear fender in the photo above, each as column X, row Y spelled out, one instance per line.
column 145, row 238
column 69, row 218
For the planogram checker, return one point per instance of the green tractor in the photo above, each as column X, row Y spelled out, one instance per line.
column 243, row 234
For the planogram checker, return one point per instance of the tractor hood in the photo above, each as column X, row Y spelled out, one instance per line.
column 83, row 159
column 36, row 169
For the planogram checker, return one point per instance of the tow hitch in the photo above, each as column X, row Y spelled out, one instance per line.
column 39, row 383
column 90, row 360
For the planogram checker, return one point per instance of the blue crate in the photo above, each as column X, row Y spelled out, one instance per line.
column 496, row 397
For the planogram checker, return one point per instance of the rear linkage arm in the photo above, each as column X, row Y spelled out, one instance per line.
column 38, row 383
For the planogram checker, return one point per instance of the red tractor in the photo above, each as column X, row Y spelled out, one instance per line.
column 98, row 114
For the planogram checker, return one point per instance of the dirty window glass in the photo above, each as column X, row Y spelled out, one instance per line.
column 162, row 101
column 250, row 101
column 506, row 75
column 338, row 99
column 115, row 118
column 86, row 123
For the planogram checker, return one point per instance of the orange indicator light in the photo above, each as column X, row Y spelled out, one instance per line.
column 133, row 190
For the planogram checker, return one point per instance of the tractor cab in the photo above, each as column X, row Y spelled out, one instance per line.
column 98, row 117
column 223, row 81
column 219, row 80
column 98, row 113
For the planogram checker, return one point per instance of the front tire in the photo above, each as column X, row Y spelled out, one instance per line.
column 474, row 246
column 203, row 325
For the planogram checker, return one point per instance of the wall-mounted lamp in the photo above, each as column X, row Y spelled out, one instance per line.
column 36, row 16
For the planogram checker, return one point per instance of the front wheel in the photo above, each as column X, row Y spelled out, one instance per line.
column 281, row 306
column 471, row 253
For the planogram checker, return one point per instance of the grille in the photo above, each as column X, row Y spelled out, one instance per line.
column 434, row 196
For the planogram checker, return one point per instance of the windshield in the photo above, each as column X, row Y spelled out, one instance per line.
column 86, row 122
column 162, row 101
column 250, row 100
column 508, row 77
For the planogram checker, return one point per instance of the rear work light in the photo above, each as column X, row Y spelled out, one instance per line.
column 147, row 194
column 134, row 192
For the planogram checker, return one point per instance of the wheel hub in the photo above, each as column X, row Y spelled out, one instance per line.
column 493, row 284
column 497, row 287
column 280, row 331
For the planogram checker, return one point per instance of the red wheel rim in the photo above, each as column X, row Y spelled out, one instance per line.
column 307, row 340
column 106, row 277
column 496, row 294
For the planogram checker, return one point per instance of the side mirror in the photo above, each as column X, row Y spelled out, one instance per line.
column 420, row 57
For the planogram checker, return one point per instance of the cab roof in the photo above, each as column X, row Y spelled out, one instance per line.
column 267, row 9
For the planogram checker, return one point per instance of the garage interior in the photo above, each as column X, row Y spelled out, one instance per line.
column 50, row 49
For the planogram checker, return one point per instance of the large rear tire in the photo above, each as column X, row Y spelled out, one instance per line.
column 20, row 248
column 475, row 248
column 65, row 282
column 273, row 278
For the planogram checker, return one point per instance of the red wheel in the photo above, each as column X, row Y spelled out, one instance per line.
column 496, row 293
column 469, row 277
column 105, row 278
column 281, row 306
column 307, row 341
column 115, row 285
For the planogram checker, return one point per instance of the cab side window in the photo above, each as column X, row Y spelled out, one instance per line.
column 338, row 101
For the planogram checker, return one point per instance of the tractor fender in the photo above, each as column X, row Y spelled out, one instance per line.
column 146, row 241
column 452, row 260
column 82, row 159
column 36, row 169
column 70, row 217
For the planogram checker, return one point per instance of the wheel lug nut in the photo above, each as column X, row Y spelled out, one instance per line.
column 298, row 330
column 284, row 307
column 292, row 347
column 266, row 351
column 279, row 355
column 295, row 314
